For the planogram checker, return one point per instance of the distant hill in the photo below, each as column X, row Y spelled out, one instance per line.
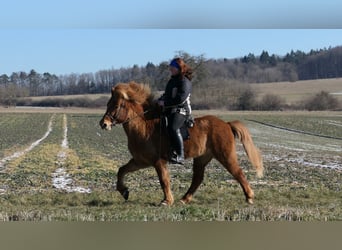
column 217, row 82
column 294, row 92
column 291, row 94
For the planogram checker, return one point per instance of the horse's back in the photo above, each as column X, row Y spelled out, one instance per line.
column 212, row 124
column 209, row 133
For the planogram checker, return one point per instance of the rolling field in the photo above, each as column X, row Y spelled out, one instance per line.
column 60, row 166
column 291, row 92
column 294, row 92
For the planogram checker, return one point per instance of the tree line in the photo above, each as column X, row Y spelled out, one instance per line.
column 228, row 75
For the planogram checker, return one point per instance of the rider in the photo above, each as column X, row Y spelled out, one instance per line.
column 176, row 103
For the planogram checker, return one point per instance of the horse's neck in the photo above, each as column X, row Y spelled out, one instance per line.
column 140, row 128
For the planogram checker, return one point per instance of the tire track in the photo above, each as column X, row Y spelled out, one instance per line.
column 32, row 146
column 60, row 178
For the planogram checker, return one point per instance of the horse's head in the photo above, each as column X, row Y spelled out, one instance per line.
column 116, row 110
column 124, row 98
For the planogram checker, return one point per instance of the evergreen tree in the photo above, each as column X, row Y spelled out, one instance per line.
column 264, row 57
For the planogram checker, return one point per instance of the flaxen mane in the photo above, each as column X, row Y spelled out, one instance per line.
column 134, row 92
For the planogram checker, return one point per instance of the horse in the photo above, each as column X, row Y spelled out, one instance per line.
column 132, row 105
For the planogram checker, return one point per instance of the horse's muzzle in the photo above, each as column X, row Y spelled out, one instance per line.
column 105, row 124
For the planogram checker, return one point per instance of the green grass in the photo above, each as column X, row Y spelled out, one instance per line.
column 17, row 130
column 293, row 188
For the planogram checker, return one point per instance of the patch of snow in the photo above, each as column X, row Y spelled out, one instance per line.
column 60, row 178
column 334, row 123
column 336, row 164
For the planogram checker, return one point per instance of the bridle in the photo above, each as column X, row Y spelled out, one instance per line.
column 113, row 118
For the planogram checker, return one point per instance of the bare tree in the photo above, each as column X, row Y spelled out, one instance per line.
column 271, row 102
column 321, row 101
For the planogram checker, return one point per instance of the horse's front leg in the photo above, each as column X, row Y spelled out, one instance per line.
column 164, row 179
column 131, row 166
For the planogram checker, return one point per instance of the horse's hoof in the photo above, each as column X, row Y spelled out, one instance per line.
column 186, row 199
column 182, row 202
column 125, row 194
column 250, row 201
column 163, row 204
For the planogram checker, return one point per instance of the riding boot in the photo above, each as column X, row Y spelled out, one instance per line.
column 177, row 156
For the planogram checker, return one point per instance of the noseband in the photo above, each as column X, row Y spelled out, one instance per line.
column 113, row 118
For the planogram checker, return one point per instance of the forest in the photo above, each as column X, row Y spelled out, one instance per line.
column 215, row 80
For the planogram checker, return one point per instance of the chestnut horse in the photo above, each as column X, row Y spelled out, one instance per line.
column 132, row 105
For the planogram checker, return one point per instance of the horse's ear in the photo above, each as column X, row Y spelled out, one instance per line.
column 113, row 90
column 124, row 95
column 121, row 92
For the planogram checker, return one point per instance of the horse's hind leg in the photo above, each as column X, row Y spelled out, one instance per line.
column 230, row 162
column 131, row 166
column 197, row 178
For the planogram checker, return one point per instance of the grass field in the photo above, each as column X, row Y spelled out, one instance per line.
column 58, row 165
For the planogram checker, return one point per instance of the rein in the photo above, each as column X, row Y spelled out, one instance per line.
column 137, row 115
column 114, row 118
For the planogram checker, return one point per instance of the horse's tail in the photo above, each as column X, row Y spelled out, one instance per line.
column 253, row 153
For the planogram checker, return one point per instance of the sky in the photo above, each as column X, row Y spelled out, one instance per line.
column 83, row 36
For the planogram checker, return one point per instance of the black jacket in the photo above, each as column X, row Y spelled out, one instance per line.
column 177, row 91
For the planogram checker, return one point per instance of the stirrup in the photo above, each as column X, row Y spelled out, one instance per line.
column 175, row 159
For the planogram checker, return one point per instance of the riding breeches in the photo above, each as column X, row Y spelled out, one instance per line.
column 175, row 122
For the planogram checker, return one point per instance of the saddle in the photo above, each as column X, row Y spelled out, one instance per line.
column 189, row 123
